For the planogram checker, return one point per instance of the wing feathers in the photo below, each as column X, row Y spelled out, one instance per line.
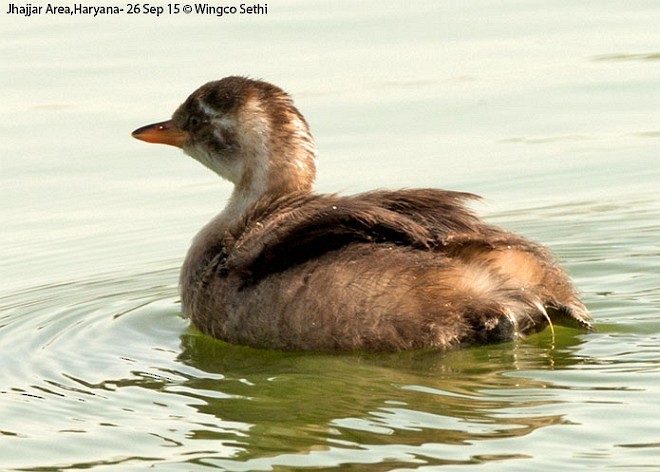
column 285, row 232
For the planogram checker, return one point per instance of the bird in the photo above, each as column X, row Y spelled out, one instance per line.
column 284, row 267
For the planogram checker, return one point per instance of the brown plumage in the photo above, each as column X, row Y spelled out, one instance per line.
column 283, row 267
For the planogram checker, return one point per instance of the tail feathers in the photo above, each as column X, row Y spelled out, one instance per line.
column 520, row 316
column 506, row 317
column 498, row 312
column 513, row 291
column 574, row 315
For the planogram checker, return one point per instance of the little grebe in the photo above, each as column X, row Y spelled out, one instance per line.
column 283, row 267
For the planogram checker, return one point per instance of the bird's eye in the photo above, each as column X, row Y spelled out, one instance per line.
column 194, row 122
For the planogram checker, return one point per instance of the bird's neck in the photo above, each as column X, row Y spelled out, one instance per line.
column 276, row 171
column 278, row 158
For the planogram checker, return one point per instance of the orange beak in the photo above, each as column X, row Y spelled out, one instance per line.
column 164, row 133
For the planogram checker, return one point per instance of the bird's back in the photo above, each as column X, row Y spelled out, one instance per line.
column 386, row 270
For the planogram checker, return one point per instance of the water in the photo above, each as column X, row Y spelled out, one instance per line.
column 550, row 110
